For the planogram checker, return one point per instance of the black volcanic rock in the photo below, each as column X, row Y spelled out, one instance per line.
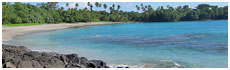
column 21, row 57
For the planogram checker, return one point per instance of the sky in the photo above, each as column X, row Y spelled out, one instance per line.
column 131, row 6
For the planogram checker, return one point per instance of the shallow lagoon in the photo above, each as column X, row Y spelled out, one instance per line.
column 158, row 44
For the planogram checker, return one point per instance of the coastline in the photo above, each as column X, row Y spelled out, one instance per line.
column 111, row 66
column 21, row 57
column 9, row 32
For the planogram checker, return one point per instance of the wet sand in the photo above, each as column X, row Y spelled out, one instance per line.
column 9, row 32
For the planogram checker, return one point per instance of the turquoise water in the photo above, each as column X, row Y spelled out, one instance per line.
column 158, row 44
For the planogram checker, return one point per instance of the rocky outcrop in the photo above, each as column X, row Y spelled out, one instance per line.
column 21, row 57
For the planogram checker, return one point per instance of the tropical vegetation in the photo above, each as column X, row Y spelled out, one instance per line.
column 18, row 13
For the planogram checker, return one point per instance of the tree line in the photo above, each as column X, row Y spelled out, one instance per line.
column 49, row 12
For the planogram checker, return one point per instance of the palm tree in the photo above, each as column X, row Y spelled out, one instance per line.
column 143, row 8
column 113, row 6
column 51, row 5
column 179, row 8
column 88, row 4
column 91, row 7
column 168, row 6
column 142, row 5
column 138, row 8
column 118, row 7
column 76, row 5
column 105, row 6
column 67, row 4
column 149, row 7
column 162, row 7
column 185, row 7
column 42, row 5
column 146, row 7
column 62, row 8
column 97, row 4
column 111, row 10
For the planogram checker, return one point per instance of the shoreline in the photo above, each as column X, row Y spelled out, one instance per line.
column 26, row 58
column 15, row 31
column 8, row 33
column 85, row 25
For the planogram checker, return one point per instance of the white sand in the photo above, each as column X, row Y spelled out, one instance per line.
column 9, row 32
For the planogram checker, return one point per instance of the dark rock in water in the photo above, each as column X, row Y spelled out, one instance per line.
column 98, row 63
column 84, row 61
column 122, row 67
column 21, row 57
column 119, row 67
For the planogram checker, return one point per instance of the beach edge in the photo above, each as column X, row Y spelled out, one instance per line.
column 8, row 33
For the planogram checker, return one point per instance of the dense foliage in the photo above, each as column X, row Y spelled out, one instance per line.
column 49, row 13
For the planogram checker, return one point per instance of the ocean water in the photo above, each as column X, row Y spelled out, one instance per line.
column 189, row 44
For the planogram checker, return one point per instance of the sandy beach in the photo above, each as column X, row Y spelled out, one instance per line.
column 9, row 32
